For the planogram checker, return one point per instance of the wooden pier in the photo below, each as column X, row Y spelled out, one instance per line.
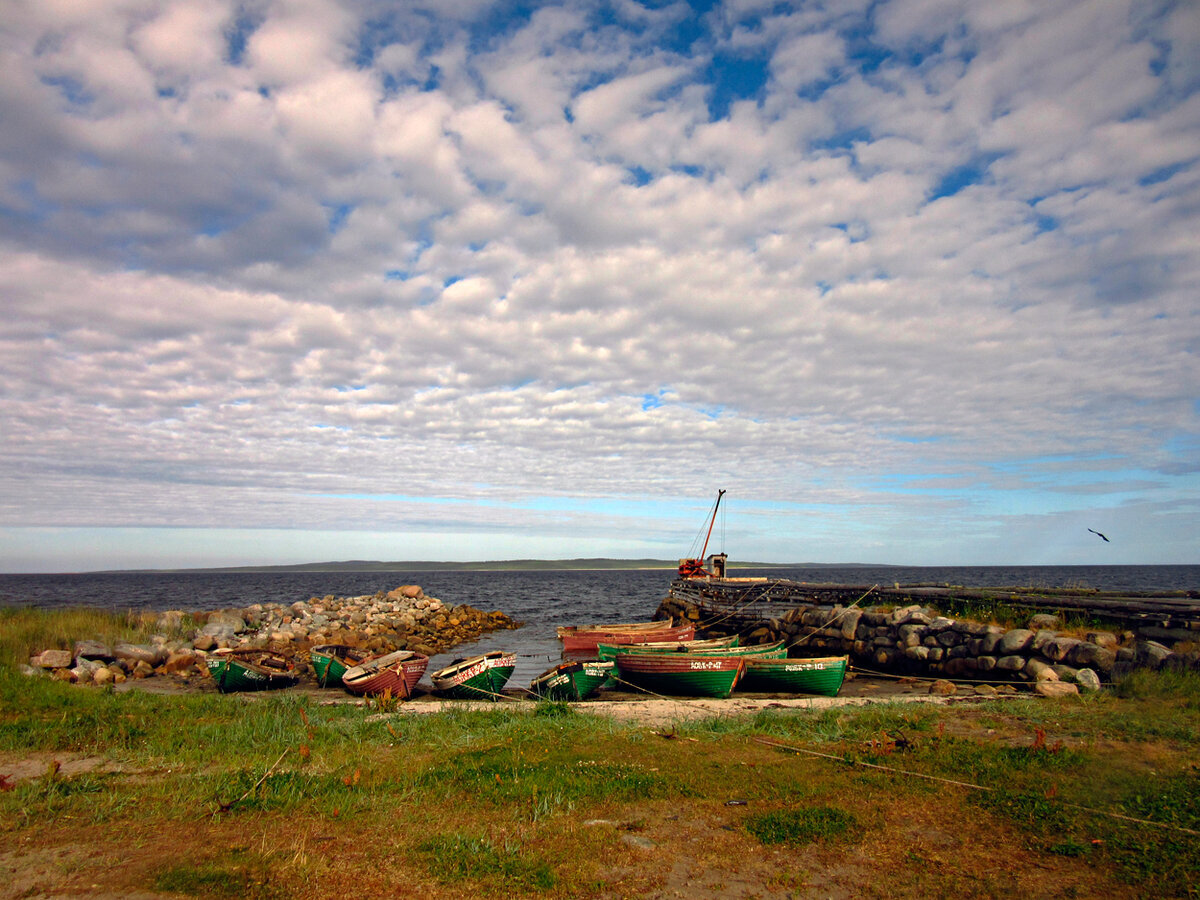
column 755, row 599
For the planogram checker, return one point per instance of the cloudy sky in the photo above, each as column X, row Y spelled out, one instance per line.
column 916, row 281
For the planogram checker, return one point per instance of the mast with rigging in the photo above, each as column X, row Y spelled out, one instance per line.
column 694, row 568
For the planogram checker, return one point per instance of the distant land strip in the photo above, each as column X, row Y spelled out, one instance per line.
column 507, row 565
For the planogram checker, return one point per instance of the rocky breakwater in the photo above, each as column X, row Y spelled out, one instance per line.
column 915, row 640
column 405, row 618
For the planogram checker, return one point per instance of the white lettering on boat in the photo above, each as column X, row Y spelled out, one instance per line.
column 706, row 664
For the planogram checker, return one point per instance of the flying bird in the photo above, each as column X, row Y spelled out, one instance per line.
column 1099, row 535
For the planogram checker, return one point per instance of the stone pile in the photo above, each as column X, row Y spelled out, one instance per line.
column 916, row 640
column 405, row 618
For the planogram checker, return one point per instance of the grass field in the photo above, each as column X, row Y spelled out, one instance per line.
column 112, row 794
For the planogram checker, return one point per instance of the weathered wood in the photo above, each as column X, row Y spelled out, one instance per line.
column 747, row 599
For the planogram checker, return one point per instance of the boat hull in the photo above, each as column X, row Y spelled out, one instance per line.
column 331, row 661
column 587, row 641
column 478, row 678
column 395, row 673
column 653, row 625
column 687, row 675
column 607, row 651
column 773, row 650
column 571, row 681
column 822, row 676
column 235, row 672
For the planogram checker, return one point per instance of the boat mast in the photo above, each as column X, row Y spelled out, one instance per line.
column 711, row 523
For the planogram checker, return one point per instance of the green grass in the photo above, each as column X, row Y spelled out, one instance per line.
column 237, row 873
column 24, row 632
column 804, row 825
column 505, row 865
column 501, row 795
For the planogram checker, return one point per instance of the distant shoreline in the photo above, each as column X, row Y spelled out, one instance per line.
column 512, row 565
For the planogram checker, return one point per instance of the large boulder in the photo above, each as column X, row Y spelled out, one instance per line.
column 134, row 653
column 1151, row 654
column 53, row 659
column 1015, row 641
column 94, row 650
column 1091, row 656
column 1088, row 681
column 1055, row 689
column 1057, row 649
column 1039, row 670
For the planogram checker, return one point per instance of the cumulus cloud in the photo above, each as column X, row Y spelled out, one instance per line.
column 267, row 265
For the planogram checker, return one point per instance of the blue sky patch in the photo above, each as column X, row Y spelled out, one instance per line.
column 734, row 78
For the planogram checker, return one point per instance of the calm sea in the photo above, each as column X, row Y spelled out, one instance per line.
column 540, row 599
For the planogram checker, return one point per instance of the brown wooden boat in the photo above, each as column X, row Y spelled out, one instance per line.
column 396, row 672
column 587, row 641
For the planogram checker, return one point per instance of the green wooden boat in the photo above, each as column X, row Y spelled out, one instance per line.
column 330, row 662
column 477, row 678
column 822, row 675
column 608, row 652
column 249, row 670
column 571, row 681
column 681, row 674
column 773, row 650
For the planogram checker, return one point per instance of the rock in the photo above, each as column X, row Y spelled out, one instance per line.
column 229, row 618
column 103, row 675
column 172, row 620
column 985, row 690
column 1057, row 649
column 94, row 650
column 1055, row 689
column 1091, row 656
column 136, row 653
column 943, row 688
column 62, row 674
column 1040, row 640
column 955, row 667
column 204, row 642
column 985, row 663
column 179, row 661
column 1151, row 654
column 1015, row 641
column 1044, row 621
column 411, row 591
column 53, row 659
column 1039, row 670
column 910, row 615
column 84, row 669
column 849, row 624
column 1064, row 673
column 1011, row 663
column 142, row 669
column 990, row 641
column 1088, row 681
column 1105, row 639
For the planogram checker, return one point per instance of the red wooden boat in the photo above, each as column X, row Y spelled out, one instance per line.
column 582, row 641
column 397, row 672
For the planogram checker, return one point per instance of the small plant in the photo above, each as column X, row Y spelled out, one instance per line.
column 802, row 826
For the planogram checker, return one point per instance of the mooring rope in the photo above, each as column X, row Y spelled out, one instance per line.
column 835, row 619
column 966, row 784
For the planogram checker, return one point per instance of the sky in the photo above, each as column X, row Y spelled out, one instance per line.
column 915, row 281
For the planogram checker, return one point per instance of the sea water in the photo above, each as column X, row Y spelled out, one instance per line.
column 540, row 599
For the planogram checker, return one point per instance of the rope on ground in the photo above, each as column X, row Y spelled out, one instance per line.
column 966, row 784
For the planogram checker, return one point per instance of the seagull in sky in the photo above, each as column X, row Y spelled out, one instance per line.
column 1099, row 535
